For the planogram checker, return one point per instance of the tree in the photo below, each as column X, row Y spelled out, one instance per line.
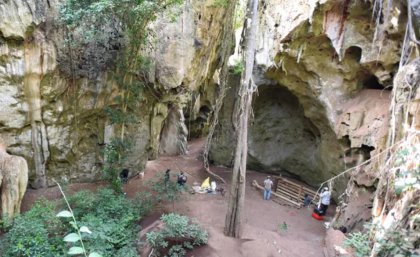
column 234, row 216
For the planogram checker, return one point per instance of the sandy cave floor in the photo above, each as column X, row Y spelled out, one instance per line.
column 304, row 236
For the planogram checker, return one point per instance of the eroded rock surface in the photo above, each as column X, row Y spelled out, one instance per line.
column 324, row 53
column 13, row 182
column 54, row 95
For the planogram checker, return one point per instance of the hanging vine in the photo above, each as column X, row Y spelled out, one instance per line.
column 225, row 53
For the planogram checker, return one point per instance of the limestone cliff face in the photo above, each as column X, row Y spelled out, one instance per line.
column 53, row 96
column 320, row 64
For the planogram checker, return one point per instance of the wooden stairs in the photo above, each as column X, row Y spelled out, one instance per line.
column 290, row 193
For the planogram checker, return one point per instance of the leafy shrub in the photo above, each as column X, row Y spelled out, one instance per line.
column 407, row 172
column 111, row 218
column 143, row 203
column 114, row 154
column 178, row 235
column 166, row 190
column 359, row 242
column 35, row 233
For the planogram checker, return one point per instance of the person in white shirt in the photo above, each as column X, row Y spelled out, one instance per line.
column 324, row 198
column 268, row 183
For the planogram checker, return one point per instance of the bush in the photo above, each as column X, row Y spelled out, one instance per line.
column 178, row 235
column 111, row 218
column 35, row 233
column 359, row 242
column 166, row 190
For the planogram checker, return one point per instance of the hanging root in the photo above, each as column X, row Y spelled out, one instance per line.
column 223, row 88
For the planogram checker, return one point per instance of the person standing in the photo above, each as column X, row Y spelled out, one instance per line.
column 167, row 177
column 325, row 198
column 268, row 183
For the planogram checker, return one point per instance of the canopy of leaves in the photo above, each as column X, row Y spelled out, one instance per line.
column 131, row 15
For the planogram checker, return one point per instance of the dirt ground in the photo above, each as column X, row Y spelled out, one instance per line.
column 304, row 236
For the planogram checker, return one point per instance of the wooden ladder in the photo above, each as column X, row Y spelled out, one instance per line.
column 294, row 191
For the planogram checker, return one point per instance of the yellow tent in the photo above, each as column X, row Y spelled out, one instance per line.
column 206, row 183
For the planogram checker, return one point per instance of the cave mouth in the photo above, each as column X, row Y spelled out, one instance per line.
column 281, row 139
column 354, row 52
column 370, row 81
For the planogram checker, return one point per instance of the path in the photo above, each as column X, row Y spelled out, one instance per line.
column 304, row 236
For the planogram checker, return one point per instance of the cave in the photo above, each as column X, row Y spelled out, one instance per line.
column 96, row 94
column 371, row 82
column 281, row 138
column 354, row 53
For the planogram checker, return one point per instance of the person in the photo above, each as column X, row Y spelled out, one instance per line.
column 213, row 187
column 167, row 176
column 307, row 200
column 268, row 183
column 325, row 198
column 182, row 179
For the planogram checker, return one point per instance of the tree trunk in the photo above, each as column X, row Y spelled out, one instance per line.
column 234, row 216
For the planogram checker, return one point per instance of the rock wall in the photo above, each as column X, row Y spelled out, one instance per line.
column 323, row 52
column 53, row 96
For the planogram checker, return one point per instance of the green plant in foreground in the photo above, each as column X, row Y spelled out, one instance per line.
column 114, row 218
column 75, row 237
column 180, row 230
column 36, row 233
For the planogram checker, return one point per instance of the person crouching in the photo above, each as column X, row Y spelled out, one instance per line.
column 182, row 179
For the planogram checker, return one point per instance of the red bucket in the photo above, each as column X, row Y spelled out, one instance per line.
column 316, row 216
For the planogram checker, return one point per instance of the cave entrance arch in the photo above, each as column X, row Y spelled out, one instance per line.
column 282, row 140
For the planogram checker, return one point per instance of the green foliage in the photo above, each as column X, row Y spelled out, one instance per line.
column 89, row 21
column 114, row 154
column 75, row 238
column 407, row 170
column 399, row 243
column 178, row 229
column 239, row 15
column 111, row 219
column 37, row 233
column 282, row 228
column 238, row 68
column 359, row 242
column 5, row 223
column 221, row 3
column 166, row 190
column 177, row 251
column 144, row 203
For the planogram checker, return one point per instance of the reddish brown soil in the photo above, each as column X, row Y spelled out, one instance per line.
column 304, row 236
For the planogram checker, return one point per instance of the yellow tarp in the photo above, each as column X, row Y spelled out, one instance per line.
column 206, row 183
